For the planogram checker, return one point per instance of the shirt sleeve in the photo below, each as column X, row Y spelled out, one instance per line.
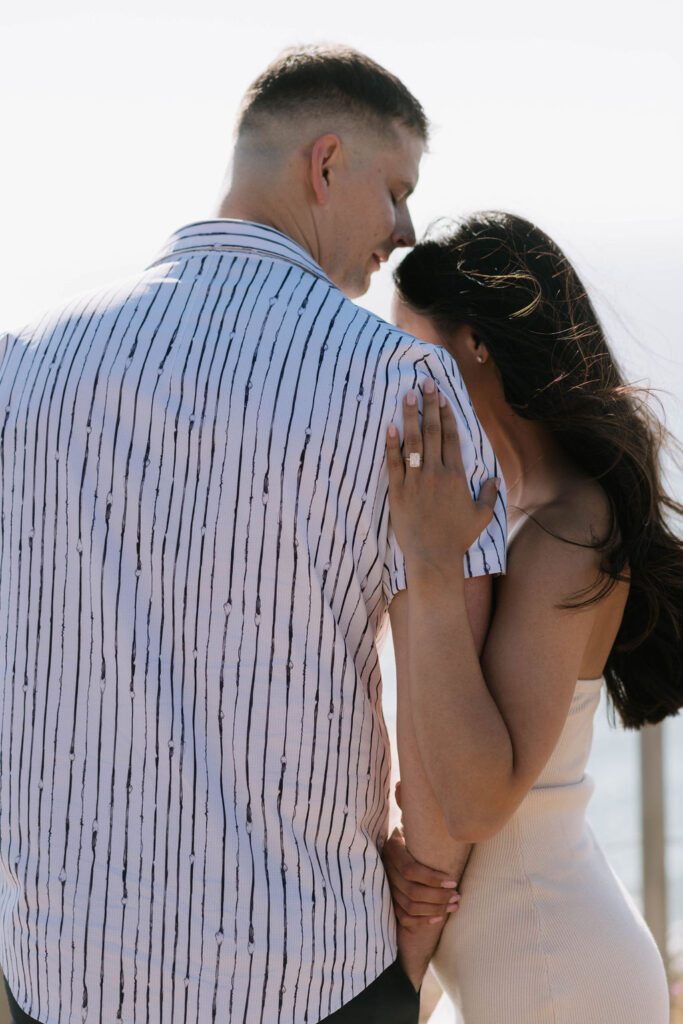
column 487, row 556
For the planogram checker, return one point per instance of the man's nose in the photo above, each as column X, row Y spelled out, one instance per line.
column 404, row 232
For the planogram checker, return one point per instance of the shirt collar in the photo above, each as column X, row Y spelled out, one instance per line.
column 240, row 235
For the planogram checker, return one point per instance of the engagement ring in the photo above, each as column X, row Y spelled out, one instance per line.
column 414, row 460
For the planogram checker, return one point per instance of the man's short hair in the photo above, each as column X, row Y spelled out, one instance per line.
column 330, row 80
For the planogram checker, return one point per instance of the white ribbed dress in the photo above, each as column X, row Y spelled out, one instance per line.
column 546, row 933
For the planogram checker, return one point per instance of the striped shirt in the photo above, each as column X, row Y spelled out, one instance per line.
column 196, row 565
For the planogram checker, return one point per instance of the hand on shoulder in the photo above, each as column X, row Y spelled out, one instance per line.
column 433, row 513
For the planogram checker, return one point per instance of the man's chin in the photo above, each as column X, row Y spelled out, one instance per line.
column 359, row 286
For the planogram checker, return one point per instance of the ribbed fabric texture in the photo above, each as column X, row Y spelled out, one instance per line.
column 546, row 932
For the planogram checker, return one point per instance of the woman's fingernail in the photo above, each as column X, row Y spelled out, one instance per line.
column 435, row 920
column 393, row 432
column 497, row 481
column 450, row 909
column 442, row 399
column 428, row 386
column 411, row 398
column 449, row 885
column 453, row 899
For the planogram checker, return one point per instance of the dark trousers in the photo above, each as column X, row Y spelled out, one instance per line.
column 16, row 1014
column 390, row 999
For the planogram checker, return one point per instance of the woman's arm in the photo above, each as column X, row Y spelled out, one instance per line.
column 426, row 835
column 425, row 828
column 483, row 733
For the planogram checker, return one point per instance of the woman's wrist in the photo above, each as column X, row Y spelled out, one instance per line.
column 447, row 573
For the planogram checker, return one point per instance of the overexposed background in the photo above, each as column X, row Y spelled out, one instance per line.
column 116, row 129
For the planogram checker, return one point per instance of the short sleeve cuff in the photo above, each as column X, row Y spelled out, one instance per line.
column 394, row 580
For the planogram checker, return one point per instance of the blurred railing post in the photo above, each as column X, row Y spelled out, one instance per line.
column 653, row 833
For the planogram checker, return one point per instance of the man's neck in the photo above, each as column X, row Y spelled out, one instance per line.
column 274, row 214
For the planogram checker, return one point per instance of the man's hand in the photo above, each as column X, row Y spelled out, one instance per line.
column 421, row 895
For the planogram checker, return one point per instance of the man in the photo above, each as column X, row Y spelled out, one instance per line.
column 196, row 562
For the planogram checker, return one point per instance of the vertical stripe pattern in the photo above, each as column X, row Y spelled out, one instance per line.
column 196, row 562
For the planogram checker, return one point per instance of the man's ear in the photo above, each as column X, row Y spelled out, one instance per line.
column 325, row 157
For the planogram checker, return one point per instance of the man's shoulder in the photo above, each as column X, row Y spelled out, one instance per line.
column 98, row 301
column 406, row 347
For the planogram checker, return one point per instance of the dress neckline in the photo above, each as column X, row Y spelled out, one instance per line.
column 597, row 682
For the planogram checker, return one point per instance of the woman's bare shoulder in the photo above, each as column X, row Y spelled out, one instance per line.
column 581, row 516
column 561, row 541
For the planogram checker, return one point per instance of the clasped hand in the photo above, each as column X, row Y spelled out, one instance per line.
column 421, row 895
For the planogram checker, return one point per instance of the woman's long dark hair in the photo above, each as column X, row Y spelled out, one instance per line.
column 514, row 287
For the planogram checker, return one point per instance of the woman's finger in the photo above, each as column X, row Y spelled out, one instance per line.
column 417, row 909
column 420, row 874
column 450, row 437
column 394, row 458
column 431, row 424
column 412, row 433
column 400, row 859
column 416, row 892
column 432, row 901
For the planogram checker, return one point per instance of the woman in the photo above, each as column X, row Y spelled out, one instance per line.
column 594, row 592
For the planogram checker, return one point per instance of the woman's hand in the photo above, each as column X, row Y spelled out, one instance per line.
column 421, row 895
column 433, row 514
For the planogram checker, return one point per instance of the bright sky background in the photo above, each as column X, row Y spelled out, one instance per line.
column 116, row 128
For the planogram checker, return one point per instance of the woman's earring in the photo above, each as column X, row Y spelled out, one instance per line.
column 480, row 359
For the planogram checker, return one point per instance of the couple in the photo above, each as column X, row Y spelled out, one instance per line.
column 198, row 468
